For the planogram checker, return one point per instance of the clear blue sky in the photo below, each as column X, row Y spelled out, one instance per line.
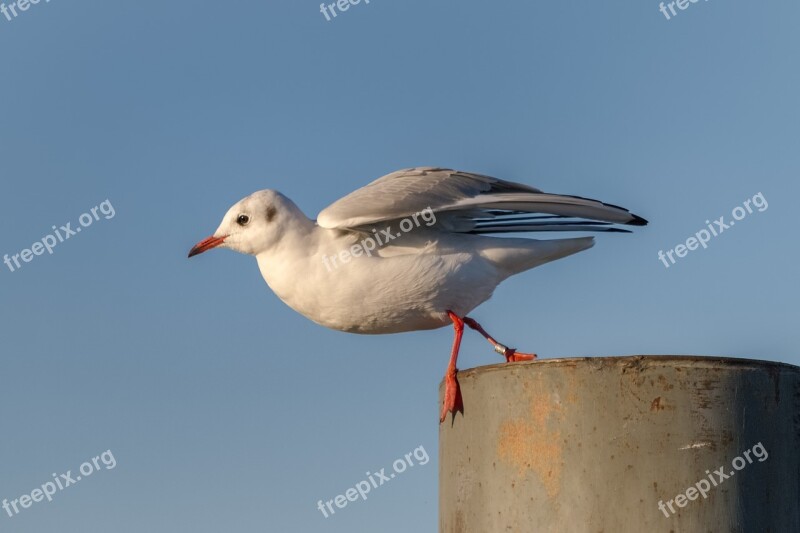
column 227, row 411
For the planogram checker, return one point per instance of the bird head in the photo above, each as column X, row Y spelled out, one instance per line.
column 251, row 226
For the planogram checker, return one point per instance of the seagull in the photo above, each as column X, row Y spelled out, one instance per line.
column 413, row 250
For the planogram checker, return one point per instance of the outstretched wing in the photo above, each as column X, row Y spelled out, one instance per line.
column 472, row 203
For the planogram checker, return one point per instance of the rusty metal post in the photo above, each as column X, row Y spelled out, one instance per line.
column 594, row 444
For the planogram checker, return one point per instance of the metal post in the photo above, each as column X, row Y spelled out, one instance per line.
column 594, row 444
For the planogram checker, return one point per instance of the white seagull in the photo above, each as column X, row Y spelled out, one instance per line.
column 409, row 251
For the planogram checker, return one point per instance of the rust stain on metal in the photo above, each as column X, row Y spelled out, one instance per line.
column 530, row 445
column 655, row 405
column 664, row 382
column 459, row 525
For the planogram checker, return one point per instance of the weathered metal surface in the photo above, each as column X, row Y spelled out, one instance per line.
column 593, row 445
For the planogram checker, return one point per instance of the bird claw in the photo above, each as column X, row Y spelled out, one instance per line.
column 452, row 396
column 511, row 354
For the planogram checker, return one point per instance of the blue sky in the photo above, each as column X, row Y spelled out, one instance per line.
column 227, row 411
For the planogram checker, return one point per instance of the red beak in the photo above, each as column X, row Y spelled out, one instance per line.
column 206, row 244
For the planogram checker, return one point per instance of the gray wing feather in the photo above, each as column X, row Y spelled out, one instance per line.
column 461, row 197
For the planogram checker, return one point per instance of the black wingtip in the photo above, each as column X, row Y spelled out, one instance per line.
column 637, row 221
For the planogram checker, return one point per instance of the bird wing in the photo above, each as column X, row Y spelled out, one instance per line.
column 472, row 203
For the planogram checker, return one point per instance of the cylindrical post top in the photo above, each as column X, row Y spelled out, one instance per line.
column 624, row 444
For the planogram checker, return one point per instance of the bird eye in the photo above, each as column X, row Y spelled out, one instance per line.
column 243, row 220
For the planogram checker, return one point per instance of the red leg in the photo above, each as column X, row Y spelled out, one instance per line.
column 511, row 354
column 452, row 392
